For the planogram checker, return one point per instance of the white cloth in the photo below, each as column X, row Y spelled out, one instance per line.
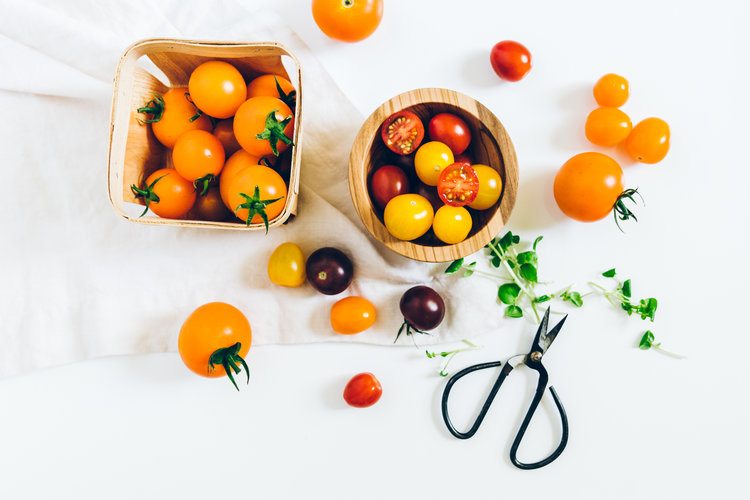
column 77, row 281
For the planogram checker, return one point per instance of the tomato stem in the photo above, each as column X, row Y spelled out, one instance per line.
column 147, row 193
column 154, row 107
column 274, row 131
column 289, row 99
column 409, row 330
column 230, row 359
column 620, row 211
column 256, row 206
column 201, row 185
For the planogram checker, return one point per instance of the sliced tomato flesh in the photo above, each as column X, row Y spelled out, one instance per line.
column 402, row 132
column 458, row 185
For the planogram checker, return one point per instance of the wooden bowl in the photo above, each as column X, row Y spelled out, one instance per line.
column 490, row 145
column 134, row 152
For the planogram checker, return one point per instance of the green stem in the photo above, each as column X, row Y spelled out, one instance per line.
column 499, row 253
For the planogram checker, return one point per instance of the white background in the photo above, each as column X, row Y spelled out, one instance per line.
column 642, row 425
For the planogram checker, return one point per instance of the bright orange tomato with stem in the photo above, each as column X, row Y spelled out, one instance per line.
column 256, row 194
column 607, row 126
column 217, row 88
column 234, row 164
column 347, row 20
column 198, row 157
column 273, row 86
column 352, row 315
column 166, row 193
column 172, row 114
column 214, row 341
column 649, row 141
column 264, row 125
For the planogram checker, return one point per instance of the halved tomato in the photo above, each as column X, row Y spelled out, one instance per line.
column 402, row 132
column 458, row 185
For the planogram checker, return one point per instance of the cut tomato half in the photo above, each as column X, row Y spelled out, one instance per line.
column 458, row 185
column 402, row 132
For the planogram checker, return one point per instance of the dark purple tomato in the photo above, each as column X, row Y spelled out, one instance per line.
column 329, row 270
column 423, row 308
column 464, row 158
column 386, row 183
column 431, row 193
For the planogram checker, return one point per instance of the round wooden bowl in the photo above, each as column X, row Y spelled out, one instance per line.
column 490, row 145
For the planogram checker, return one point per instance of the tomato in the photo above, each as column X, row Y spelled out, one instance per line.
column 347, row 20
column 408, row 216
column 452, row 224
column 430, row 161
column 214, row 341
column 423, row 309
column 210, row 207
column 430, row 193
column 256, row 194
column 464, row 158
column 166, row 193
column 264, row 125
column 458, row 185
column 490, row 187
column 329, row 270
column 386, row 183
column 451, row 130
column 611, row 90
column 286, row 266
column 269, row 85
column 362, row 390
column 607, row 126
column 587, row 186
column 172, row 114
column 649, row 141
column 402, row 132
column 217, row 88
column 198, row 157
column 352, row 315
column 510, row 60
column 234, row 164
column 224, row 131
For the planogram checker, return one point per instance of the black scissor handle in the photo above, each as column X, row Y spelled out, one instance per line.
column 488, row 402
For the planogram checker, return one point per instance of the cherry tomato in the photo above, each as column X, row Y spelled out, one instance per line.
column 329, row 270
column 402, row 132
column 352, row 315
column 224, row 131
column 451, row 130
column 270, row 199
column 347, row 20
column 430, row 160
column 172, row 114
column 386, row 183
column 408, row 216
column 166, row 193
column 464, row 158
column 286, row 266
column 510, row 60
column 458, row 185
column 217, row 88
column 611, row 90
column 649, row 141
column 210, row 207
column 214, row 340
column 452, row 224
column 430, row 193
column 362, row 390
column 234, row 164
column 198, row 157
column 268, row 85
column 607, row 126
column 490, row 187
column 587, row 186
column 268, row 117
column 423, row 308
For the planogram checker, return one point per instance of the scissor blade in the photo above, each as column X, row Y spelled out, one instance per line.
column 548, row 337
column 542, row 330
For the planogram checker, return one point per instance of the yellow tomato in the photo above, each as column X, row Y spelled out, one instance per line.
column 408, row 216
column 286, row 267
column 452, row 224
column 649, row 141
column 430, row 160
column 352, row 315
column 490, row 187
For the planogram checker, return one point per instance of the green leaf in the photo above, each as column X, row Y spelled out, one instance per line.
column 508, row 293
column 513, row 312
column 455, row 266
column 509, row 239
column 529, row 257
column 536, row 242
column 610, row 273
column 542, row 298
column 572, row 297
column 495, row 262
column 528, row 272
column 647, row 341
column 470, row 269
column 647, row 308
column 430, row 355
column 626, row 288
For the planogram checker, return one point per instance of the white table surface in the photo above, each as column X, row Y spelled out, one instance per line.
column 642, row 425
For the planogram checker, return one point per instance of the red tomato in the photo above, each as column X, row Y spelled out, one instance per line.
column 510, row 60
column 451, row 130
column 458, row 185
column 402, row 132
column 386, row 183
column 363, row 390
column 464, row 158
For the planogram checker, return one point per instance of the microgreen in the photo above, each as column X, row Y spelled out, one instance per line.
column 449, row 355
column 648, row 341
column 230, row 359
column 255, row 206
column 274, row 132
column 147, row 193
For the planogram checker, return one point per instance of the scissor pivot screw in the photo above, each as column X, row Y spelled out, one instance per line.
column 536, row 356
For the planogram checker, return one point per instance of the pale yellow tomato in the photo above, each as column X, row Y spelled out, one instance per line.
column 490, row 187
column 408, row 216
column 430, row 160
column 286, row 267
column 452, row 224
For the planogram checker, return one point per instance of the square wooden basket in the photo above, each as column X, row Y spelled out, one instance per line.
column 134, row 152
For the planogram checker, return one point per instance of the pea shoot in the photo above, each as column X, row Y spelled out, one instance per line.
column 449, row 355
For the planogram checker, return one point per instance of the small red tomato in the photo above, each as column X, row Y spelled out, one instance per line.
column 510, row 60
column 458, row 185
column 451, row 130
column 362, row 390
column 464, row 158
column 402, row 132
column 386, row 183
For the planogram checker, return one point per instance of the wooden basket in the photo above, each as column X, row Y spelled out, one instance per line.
column 134, row 152
column 491, row 145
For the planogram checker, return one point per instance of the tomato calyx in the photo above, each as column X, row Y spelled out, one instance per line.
column 198, row 112
column 274, row 132
column 289, row 99
column 256, row 206
column 202, row 184
column 230, row 359
column 409, row 330
column 147, row 193
column 154, row 107
column 621, row 211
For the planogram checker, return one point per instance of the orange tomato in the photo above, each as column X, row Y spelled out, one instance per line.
column 268, row 117
column 217, row 88
column 587, row 186
column 224, row 131
column 198, row 157
column 265, row 85
column 172, row 114
column 214, row 337
column 242, row 199
column 234, row 164
column 607, row 126
column 649, row 141
column 347, row 20
column 166, row 193
column 210, row 207
column 611, row 90
column 352, row 315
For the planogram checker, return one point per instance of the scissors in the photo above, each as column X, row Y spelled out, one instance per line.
column 533, row 360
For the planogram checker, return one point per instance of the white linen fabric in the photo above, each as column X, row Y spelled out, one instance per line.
column 78, row 282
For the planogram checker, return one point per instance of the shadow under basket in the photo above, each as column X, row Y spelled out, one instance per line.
column 490, row 145
column 134, row 152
